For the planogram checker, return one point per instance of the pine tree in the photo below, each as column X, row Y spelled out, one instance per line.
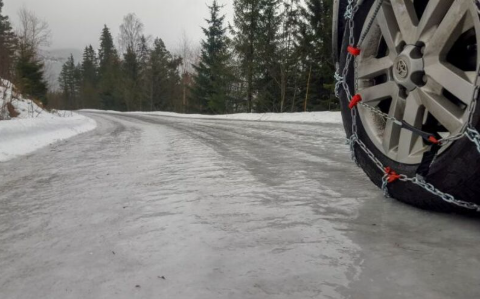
column 269, row 67
column 70, row 84
column 130, row 80
column 315, row 52
column 7, row 46
column 89, row 79
column 289, row 66
column 30, row 76
column 163, row 79
column 134, row 45
column 108, row 72
column 214, row 78
column 143, row 58
column 246, row 32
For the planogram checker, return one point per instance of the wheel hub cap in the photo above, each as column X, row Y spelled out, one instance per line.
column 408, row 68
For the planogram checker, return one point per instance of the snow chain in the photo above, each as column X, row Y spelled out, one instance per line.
column 391, row 176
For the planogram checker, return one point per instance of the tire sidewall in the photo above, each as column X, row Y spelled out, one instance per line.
column 455, row 171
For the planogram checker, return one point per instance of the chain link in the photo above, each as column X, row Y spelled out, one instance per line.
column 338, row 83
column 341, row 82
column 469, row 126
column 385, row 186
column 382, row 114
column 474, row 136
column 349, row 10
column 444, row 196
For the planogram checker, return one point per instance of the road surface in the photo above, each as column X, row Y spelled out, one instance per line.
column 159, row 207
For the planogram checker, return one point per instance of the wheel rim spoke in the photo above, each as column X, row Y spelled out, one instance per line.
column 373, row 67
column 391, row 134
column 406, row 19
column 413, row 115
column 452, row 26
column 389, row 28
column 432, row 16
column 452, row 79
column 447, row 113
column 375, row 94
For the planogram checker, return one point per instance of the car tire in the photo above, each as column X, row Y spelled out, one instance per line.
column 456, row 171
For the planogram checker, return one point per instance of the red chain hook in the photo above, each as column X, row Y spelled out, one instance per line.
column 355, row 100
column 354, row 50
column 433, row 140
column 392, row 176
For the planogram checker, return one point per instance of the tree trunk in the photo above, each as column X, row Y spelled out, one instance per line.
column 283, row 88
column 249, row 90
column 184, row 94
column 294, row 94
column 308, row 89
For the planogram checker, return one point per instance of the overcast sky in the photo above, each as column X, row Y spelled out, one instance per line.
column 77, row 23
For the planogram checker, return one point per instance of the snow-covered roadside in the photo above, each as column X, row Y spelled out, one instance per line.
column 26, row 126
column 300, row 117
column 23, row 136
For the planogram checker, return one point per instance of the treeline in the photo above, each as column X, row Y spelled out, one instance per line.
column 144, row 77
column 20, row 59
column 274, row 57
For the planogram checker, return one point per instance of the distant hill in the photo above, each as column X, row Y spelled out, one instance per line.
column 54, row 60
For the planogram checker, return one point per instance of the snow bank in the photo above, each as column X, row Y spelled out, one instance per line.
column 300, row 117
column 24, row 107
column 33, row 127
column 22, row 136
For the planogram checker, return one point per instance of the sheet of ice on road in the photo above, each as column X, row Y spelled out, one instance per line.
column 161, row 207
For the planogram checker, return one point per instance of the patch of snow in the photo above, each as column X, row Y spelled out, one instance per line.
column 24, row 107
column 23, row 136
column 299, row 117
column 34, row 127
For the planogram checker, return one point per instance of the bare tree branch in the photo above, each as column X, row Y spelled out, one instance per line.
column 33, row 33
column 131, row 32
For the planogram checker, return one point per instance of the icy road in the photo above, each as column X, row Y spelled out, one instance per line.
column 161, row 207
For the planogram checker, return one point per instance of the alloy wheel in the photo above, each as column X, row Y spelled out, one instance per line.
column 419, row 64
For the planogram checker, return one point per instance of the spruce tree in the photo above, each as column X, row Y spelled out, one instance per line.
column 143, row 58
column 70, row 84
column 247, row 14
column 30, row 76
column 162, row 78
column 315, row 55
column 214, row 78
column 89, row 79
column 269, row 67
column 134, row 48
column 289, row 66
column 130, row 80
column 7, row 46
column 108, row 72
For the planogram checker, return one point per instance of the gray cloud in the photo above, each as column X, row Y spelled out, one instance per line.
column 77, row 23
